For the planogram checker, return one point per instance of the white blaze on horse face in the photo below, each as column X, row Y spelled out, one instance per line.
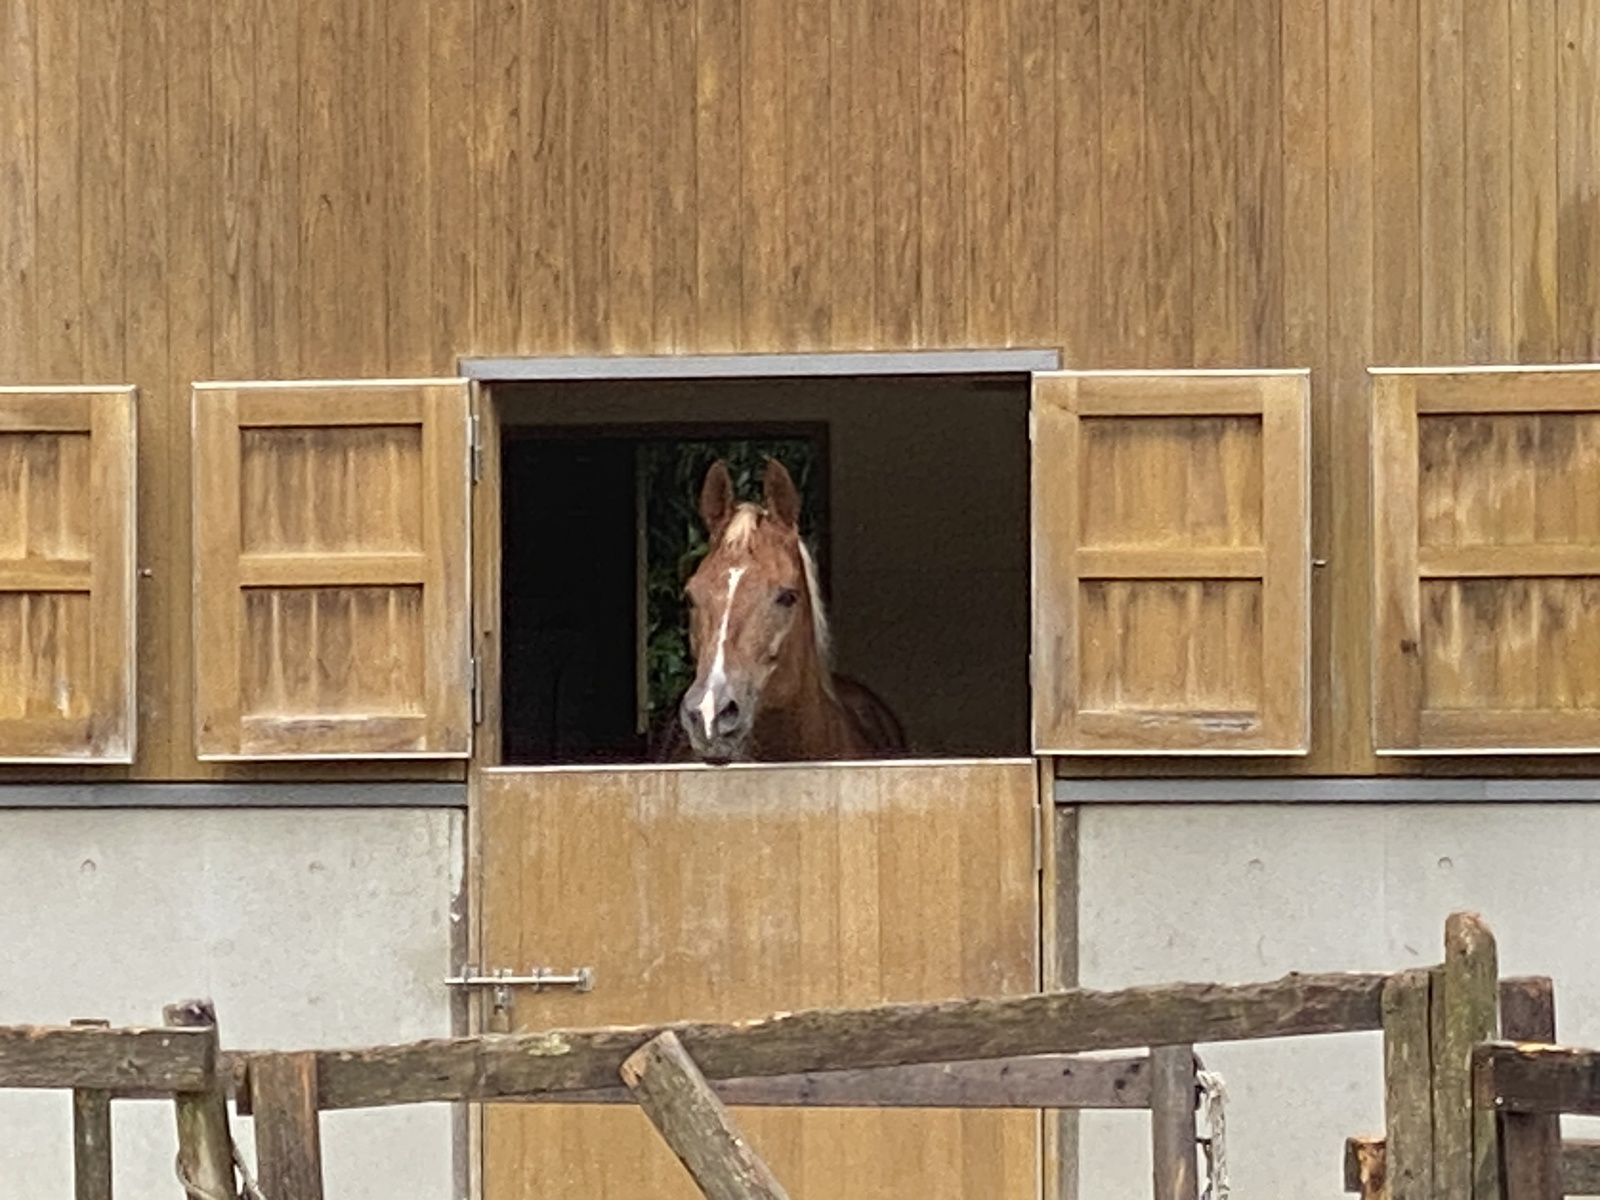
column 718, row 678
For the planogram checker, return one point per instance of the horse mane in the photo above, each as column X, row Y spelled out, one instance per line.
column 741, row 528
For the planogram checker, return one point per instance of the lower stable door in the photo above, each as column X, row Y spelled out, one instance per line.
column 734, row 893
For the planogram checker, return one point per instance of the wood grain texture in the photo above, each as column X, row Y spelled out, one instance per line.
column 105, row 1059
column 695, row 1123
column 288, row 1136
column 202, row 191
column 774, row 888
column 333, row 574
column 1464, row 1011
column 67, row 575
column 1172, row 549
column 1407, row 1086
column 1487, row 566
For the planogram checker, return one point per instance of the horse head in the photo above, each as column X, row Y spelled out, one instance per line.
column 756, row 625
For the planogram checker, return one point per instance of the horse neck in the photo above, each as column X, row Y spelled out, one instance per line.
column 808, row 722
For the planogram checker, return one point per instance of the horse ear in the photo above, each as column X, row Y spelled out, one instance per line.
column 716, row 499
column 779, row 495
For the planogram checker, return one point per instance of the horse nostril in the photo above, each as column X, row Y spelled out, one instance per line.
column 728, row 717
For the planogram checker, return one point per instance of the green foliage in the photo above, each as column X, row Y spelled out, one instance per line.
column 675, row 540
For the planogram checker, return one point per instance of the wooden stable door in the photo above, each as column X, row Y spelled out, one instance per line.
column 736, row 892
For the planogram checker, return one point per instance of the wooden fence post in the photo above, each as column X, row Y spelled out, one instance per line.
column 1408, row 1086
column 1530, row 1143
column 1466, row 1008
column 283, row 1104
column 1172, row 1101
column 91, row 1137
column 681, row 1104
column 205, row 1145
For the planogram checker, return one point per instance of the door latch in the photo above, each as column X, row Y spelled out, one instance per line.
column 501, row 980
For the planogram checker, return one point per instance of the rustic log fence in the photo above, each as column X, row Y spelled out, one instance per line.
column 1443, row 1033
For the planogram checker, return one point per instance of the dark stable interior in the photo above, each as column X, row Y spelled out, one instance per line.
column 925, row 552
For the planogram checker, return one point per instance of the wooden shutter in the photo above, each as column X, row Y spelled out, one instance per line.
column 1486, row 572
column 67, row 574
column 1171, row 562
column 331, row 570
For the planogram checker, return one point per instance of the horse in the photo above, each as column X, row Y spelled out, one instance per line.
column 764, row 688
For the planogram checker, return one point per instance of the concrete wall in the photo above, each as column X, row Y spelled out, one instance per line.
column 307, row 926
column 1241, row 892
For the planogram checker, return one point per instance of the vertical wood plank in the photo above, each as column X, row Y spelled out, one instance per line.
column 410, row 191
column 1168, row 198
column 1214, row 242
column 1305, row 204
column 498, row 140
column 1172, row 1144
column 719, row 179
column 1340, row 425
column 191, row 185
column 91, row 1138
column 809, row 177
column 1535, row 194
column 58, row 204
column 19, row 115
column 1407, row 1085
column 103, row 248
column 588, row 31
column 895, row 132
column 1397, row 606
column 944, row 224
column 217, row 606
column 1486, row 53
column 1396, row 184
column 1079, row 222
column 764, row 77
column 450, row 85
column 1465, row 1011
column 147, row 355
column 957, row 216
column 1578, row 238
column 283, row 1103
column 1124, row 182
column 1033, row 171
column 272, row 252
column 851, row 124
column 113, row 456
column 1530, row 1143
column 1443, row 224
column 1286, row 537
column 1259, row 256
column 235, row 133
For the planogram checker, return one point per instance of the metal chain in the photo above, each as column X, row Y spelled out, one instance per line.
column 1214, row 1093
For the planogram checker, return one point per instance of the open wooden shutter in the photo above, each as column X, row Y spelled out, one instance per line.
column 67, row 574
column 1486, row 575
column 1171, row 562
column 331, row 570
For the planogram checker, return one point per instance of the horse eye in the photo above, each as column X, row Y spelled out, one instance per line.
column 787, row 597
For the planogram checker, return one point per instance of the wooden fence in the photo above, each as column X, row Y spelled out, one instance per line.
column 1005, row 1052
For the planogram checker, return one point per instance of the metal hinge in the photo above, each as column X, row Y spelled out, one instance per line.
column 477, row 690
column 474, row 449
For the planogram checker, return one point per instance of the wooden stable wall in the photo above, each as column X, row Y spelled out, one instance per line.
column 222, row 190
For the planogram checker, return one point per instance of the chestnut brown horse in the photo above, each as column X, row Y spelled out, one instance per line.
column 764, row 687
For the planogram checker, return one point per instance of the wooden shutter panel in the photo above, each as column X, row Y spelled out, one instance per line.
column 331, row 570
column 1486, row 571
column 67, row 574
column 1171, row 562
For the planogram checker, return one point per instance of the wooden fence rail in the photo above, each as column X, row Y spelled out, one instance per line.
column 1444, row 1029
